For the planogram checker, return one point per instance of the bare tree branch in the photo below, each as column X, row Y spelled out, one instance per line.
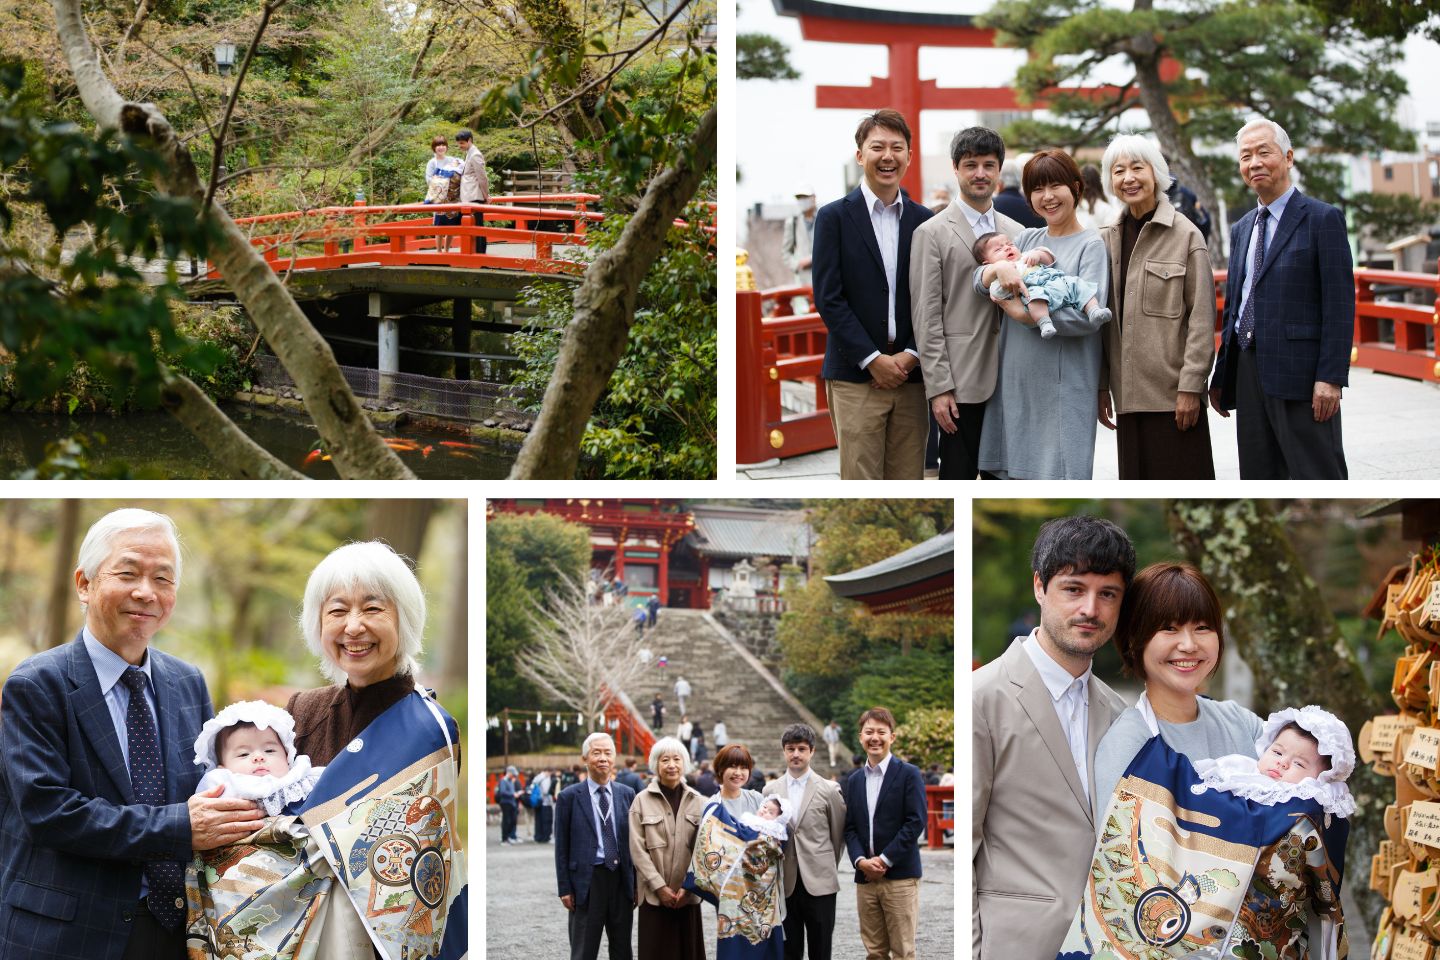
column 250, row 461
column 218, row 159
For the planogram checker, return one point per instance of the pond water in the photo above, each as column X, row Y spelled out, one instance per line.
column 157, row 445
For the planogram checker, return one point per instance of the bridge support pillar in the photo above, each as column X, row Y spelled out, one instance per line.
column 387, row 339
column 460, row 337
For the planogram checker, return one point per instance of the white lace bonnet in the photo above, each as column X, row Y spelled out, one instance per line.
column 1335, row 743
column 264, row 715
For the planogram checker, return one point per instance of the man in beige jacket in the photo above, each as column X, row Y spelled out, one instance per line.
column 1038, row 715
column 817, row 831
column 474, row 181
column 957, row 331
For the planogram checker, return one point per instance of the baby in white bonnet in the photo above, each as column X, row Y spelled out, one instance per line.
column 771, row 819
column 249, row 748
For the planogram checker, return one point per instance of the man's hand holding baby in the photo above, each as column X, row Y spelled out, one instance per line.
column 217, row 821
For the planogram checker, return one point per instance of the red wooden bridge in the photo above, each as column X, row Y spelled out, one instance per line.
column 773, row 345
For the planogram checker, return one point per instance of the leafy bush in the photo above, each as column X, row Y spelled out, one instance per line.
column 928, row 736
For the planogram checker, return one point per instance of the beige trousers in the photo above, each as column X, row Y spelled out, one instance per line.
column 889, row 913
column 881, row 433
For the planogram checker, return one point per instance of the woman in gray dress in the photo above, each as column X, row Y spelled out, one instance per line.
column 1171, row 636
column 1040, row 421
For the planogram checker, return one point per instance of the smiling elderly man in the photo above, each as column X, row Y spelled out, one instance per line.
column 96, row 814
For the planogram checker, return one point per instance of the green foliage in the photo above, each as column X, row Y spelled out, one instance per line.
column 88, row 303
column 525, row 555
column 1333, row 90
column 927, row 736
column 1386, row 19
column 759, row 56
column 656, row 418
column 1390, row 216
column 923, row 680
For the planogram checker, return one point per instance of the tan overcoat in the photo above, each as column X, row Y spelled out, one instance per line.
column 1163, row 342
column 661, row 843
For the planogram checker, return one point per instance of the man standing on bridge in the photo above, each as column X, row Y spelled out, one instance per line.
column 474, row 181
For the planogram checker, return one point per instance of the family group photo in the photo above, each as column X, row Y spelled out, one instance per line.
column 1204, row 728
column 741, row 745
column 233, row 729
column 1044, row 248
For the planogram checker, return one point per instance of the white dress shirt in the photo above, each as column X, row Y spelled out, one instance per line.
column 795, row 790
column 1277, row 210
column 1072, row 701
column 874, row 775
column 599, row 821
column 980, row 223
column 885, row 219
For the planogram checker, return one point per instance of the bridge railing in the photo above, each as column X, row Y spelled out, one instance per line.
column 774, row 344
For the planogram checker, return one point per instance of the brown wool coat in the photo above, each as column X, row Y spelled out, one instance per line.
column 1164, row 340
column 661, row 843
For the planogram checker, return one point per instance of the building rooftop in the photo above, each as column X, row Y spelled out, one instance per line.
column 735, row 532
column 923, row 561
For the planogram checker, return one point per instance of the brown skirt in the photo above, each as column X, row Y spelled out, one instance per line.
column 1152, row 448
column 667, row 934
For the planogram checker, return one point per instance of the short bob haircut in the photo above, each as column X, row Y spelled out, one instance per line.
column 1164, row 594
column 1053, row 166
column 591, row 740
column 438, row 141
column 668, row 745
column 374, row 567
column 879, row 715
column 1130, row 147
column 887, row 118
column 1082, row 545
column 733, row 755
column 1282, row 139
column 100, row 539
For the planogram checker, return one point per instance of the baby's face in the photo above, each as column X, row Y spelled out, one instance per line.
column 1000, row 248
column 769, row 810
column 1291, row 758
column 254, row 751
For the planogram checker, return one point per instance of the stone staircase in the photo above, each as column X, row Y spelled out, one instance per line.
column 728, row 683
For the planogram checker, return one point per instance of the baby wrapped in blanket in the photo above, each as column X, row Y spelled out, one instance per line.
column 736, row 867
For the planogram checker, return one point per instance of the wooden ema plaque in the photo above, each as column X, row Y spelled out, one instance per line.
column 1383, row 864
column 1408, row 902
column 1423, row 748
column 1411, row 946
column 1422, row 826
column 1431, row 608
column 1392, row 598
column 1386, row 729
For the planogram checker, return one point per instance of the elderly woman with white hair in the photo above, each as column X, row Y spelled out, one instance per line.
column 663, row 820
column 364, row 616
column 1161, row 343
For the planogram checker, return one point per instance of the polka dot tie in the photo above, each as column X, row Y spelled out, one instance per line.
column 607, row 826
column 147, row 780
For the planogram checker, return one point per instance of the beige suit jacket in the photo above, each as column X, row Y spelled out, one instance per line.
column 1032, row 830
column 817, row 835
column 957, row 331
column 661, row 843
column 474, row 181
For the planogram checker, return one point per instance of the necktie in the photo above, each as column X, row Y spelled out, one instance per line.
column 607, row 830
column 1247, row 316
column 147, row 780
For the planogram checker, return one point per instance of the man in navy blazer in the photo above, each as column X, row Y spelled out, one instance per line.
column 597, row 880
column 1289, row 321
column 861, row 269
column 88, row 870
column 884, row 818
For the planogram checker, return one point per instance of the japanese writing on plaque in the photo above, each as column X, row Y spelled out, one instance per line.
column 1382, row 737
column 1423, row 825
column 1406, row 902
column 1424, row 748
column 1409, row 946
column 1432, row 603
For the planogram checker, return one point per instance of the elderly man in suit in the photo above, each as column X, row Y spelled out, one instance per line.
column 884, row 819
column 1038, row 715
column 817, row 832
column 956, row 329
column 592, row 855
column 861, row 268
column 97, row 739
column 1289, row 321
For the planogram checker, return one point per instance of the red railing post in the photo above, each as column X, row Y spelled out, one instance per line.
column 751, row 443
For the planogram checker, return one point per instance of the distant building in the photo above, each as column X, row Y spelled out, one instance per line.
column 918, row 580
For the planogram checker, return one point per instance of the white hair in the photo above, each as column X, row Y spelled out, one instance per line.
column 1010, row 174
column 99, row 540
column 1131, row 146
column 374, row 567
column 669, row 745
column 1282, row 139
column 591, row 740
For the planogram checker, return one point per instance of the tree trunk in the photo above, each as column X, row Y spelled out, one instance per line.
column 604, row 309
column 456, row 659
column 249, row 461
column 1283, row 628
column 402, row 524
column 62, row 582
column 356, row 449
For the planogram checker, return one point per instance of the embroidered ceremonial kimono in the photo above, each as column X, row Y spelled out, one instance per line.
column 737, row 868
column 1213, row 875
column 375, row 837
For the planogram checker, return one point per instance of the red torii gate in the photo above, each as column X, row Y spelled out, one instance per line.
column 904, row 33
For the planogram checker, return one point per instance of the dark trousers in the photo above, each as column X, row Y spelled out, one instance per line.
column 544, row 821
column 932, row 445
column 810, row 918
column 1279, row 439
column 509, row 816
column 151, row 941
column 610, row 910
column 960, row 451
column 480, row 242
